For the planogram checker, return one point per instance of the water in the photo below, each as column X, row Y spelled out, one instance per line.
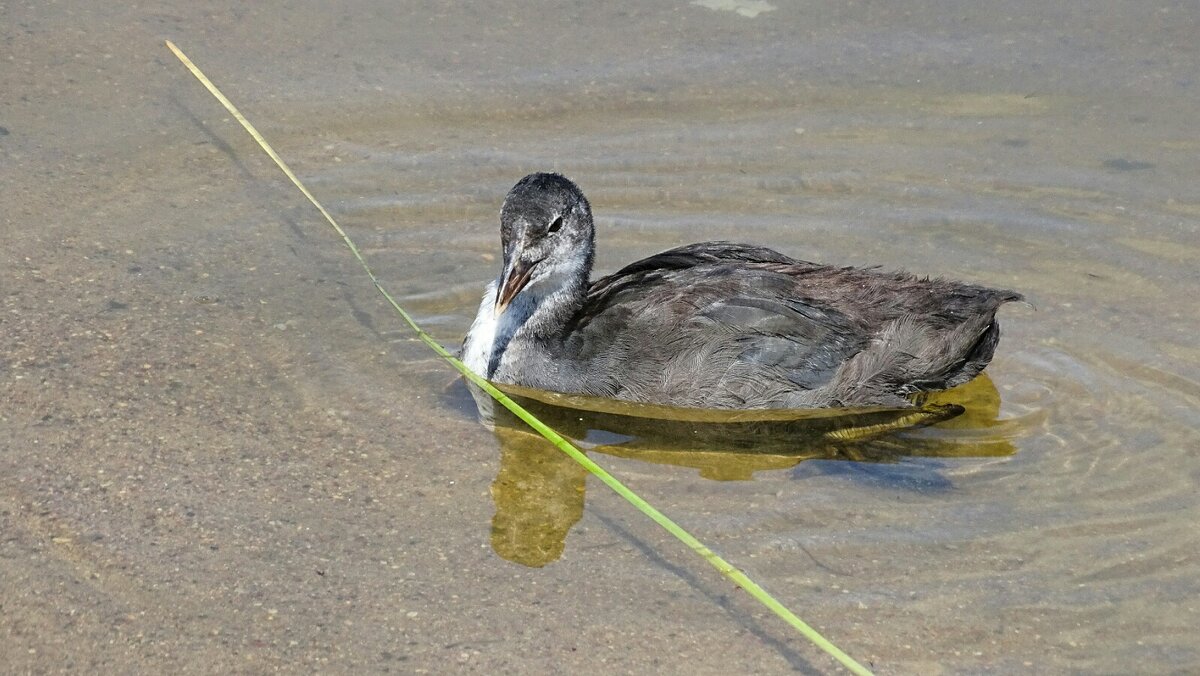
column 223, row 452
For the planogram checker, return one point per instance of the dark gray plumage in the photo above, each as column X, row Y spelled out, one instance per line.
column 715, row 324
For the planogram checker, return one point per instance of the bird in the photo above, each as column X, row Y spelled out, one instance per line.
column 715, row 325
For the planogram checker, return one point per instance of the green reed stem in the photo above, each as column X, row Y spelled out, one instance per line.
column 553, row 437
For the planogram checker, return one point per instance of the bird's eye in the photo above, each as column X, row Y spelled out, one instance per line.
column 555, row 225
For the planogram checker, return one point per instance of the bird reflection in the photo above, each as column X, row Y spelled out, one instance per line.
column 539, row 491
column 538, row 494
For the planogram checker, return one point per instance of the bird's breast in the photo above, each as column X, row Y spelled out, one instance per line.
column 477, row 347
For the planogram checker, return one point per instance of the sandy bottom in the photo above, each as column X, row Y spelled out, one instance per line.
column 221, row 453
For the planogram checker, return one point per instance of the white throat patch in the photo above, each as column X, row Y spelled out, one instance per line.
column 489, row 335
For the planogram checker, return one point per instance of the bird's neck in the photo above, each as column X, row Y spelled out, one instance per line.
column 541, row 313
column 550, row 303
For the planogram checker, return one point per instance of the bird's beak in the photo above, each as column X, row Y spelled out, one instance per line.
column 515, row 279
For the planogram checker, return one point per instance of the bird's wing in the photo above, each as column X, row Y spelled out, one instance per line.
column 727, row 305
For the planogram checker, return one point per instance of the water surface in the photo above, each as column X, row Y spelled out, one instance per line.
column 222, row 452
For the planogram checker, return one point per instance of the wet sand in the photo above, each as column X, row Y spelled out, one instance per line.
column 221, row 452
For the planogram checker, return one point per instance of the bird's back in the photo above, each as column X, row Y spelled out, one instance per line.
column 725, row 325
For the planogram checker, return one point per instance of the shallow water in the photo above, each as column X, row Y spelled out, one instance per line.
column 221, row 451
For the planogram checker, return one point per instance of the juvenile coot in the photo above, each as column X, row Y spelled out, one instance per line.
column 715, row 324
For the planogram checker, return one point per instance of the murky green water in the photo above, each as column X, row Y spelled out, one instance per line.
column 222, row 452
